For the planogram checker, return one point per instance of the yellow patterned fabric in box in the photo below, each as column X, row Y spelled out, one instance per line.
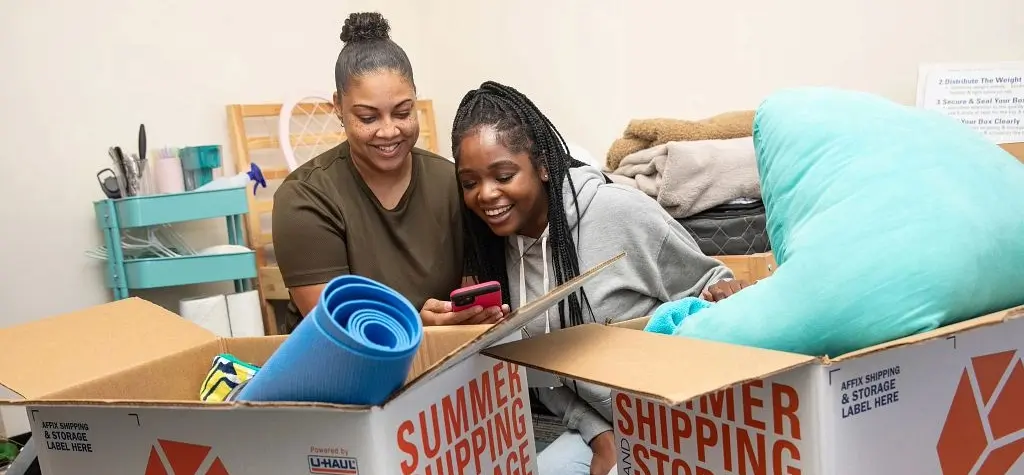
column 226, row 374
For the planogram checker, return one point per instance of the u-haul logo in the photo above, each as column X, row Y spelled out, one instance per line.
column 170, row 457
column 984, row 429
column 321, row 464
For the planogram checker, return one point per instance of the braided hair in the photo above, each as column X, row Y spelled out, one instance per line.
column 521, row 127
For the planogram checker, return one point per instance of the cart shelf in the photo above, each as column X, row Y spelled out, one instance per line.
column 115, row 216
column 140, row 211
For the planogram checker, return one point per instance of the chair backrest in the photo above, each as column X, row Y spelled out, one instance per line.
column 254, row 130
column 307, row 127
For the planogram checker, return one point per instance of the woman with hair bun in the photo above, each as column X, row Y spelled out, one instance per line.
column 375, row 205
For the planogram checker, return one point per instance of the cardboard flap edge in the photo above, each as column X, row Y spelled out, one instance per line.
column 669, row 369
column 990, row 319
column 187, row 404
column 9, row 396
column 1014, row 148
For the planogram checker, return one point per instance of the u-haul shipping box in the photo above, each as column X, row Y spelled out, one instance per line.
column 114, row 389
column 949, row 401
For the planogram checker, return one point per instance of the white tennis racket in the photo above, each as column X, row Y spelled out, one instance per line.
column 307, row 127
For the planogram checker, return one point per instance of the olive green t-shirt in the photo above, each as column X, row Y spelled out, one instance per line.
column 327, row 222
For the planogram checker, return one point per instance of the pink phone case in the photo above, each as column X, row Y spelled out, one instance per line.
column 486, row 295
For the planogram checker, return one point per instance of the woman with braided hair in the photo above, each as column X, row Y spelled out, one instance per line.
column 534, row 217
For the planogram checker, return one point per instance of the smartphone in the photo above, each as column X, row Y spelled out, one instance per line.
column 486, row 295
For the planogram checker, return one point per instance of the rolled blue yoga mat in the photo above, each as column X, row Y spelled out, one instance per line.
column 355, row 347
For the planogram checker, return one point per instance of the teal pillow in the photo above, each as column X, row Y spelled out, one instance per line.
column 885, row 220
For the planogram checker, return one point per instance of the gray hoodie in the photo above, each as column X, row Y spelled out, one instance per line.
column 662, row 263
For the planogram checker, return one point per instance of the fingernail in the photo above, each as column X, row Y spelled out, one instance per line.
column 447, row 306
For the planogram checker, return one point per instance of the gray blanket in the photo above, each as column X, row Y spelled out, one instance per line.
column 689, row 177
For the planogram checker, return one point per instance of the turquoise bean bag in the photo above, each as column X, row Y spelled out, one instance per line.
column 885, row 220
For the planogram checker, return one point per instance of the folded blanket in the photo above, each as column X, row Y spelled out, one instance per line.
column 689, row 177
column 646, row 133
column 669, row 315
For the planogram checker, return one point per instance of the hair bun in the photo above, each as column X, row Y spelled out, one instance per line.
column 365, row 26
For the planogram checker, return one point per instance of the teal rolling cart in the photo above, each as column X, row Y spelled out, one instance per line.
column 123, row 275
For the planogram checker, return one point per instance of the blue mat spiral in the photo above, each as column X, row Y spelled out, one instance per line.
column 355, row 347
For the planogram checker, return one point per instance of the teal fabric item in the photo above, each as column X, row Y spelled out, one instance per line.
column 885, row 221
column 669, row 315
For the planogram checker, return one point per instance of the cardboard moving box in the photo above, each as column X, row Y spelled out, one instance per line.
column 948, row 401
column 751, row 267
column 1016, row 149
column 115, row 389
column 131, row 405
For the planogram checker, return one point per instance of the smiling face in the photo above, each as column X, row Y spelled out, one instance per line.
column 379, row 114
column 503, row 188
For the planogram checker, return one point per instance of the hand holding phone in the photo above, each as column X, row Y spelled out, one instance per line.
column 460, row 309
column 485, row 295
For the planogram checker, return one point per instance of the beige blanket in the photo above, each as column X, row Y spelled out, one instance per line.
column 689, row 177
column 646, row 133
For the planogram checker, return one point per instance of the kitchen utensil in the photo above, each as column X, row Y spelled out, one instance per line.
column 131, row 172
column 109, row 183
column 142, row 147
column 119, row 170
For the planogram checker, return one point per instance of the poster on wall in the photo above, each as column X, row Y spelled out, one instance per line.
column 988, row 97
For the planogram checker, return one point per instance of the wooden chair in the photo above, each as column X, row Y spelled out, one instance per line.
column 255, row 139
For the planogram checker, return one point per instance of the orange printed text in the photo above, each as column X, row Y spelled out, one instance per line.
column 750, row 429
column 479, row 428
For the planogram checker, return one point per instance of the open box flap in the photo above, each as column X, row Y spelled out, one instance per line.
column 61, row 352
column 665, row 368
column 439, row 342
column 514, row 322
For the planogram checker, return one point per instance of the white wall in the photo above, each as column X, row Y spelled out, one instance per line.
column 591, row 66
column 78, row 77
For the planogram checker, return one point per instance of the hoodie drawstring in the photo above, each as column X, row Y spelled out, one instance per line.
column 546, row 279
